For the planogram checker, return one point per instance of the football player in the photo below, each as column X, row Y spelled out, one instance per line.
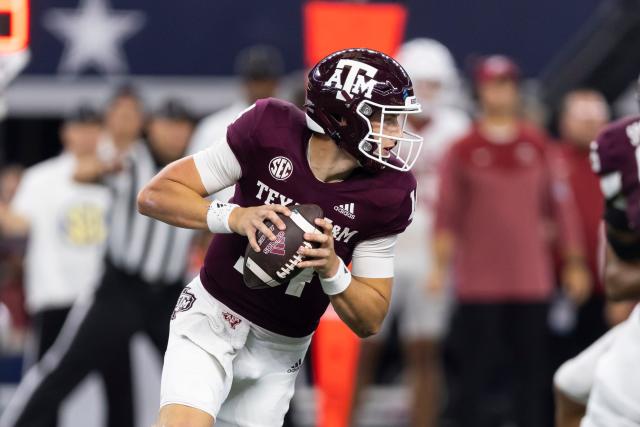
column 234, row 353
column 601, row 386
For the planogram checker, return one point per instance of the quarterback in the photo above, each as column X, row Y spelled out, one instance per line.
column 234, row 352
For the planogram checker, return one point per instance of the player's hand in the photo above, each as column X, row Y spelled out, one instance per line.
column 323, row 259
column 246, row 221
column 576, row 281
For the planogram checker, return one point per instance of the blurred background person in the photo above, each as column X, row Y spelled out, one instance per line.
column 65, row 222
column 422, row 317
column 583, row 114
column 124, row 122
column 143, row 275
column 497, row 195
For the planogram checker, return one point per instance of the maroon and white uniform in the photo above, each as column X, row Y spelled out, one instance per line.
column 269, row 142
column 244, row 347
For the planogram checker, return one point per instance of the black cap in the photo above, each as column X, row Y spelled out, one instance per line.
column 259, row 62
column 85, row 113
column 174, row 109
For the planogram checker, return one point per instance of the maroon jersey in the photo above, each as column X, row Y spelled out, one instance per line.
column 614, row 158
column 270, row 142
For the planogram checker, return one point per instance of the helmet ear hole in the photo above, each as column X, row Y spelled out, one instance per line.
column 366, row 110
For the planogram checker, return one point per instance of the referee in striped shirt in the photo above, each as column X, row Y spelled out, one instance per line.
column 144, row 273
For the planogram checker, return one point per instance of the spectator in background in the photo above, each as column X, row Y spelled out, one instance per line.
column 124, row 121
column 65, row 222
column 497, row 196
column 143, row 275
column 583, row 114
column 422, row 317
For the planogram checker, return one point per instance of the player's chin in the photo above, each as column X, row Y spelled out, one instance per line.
column 386, row 153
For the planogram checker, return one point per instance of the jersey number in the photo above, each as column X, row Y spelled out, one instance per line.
column 297, row 284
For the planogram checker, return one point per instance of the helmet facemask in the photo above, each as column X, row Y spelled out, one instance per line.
column 348, row 91
column 387, row 141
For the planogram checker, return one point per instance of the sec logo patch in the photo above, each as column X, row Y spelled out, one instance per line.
column 280, row 168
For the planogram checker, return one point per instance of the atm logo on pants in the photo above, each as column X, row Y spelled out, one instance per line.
column 185, row 302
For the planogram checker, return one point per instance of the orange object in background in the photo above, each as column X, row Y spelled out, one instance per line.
column 16, row 14
column 331, row 26
column 336, row 350
column 328, row 27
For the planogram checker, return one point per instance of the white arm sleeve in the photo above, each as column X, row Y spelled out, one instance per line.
column 218, row 167
column 575, row 377
column 374, row 258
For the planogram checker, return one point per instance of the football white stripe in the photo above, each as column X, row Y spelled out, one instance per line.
column 239, row 265
column 260, row 273
column 301, row 222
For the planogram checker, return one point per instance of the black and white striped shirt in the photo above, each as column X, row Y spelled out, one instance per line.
column 139, row 245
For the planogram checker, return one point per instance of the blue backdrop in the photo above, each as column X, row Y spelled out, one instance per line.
column 201, row 37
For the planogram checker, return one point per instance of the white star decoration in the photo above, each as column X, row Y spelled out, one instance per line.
column 93, row 35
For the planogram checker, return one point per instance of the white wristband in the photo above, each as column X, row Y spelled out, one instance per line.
column 339, row 282
column 218, row 216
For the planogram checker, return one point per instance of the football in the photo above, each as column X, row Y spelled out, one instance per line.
column 276, row 262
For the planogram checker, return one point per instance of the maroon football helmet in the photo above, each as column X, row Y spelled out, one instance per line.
column 350, row 89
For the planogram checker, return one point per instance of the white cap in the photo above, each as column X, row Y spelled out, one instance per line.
column 428, row 59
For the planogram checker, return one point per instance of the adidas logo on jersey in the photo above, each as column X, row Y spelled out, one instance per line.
column 347, row 210
column 295, row 367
